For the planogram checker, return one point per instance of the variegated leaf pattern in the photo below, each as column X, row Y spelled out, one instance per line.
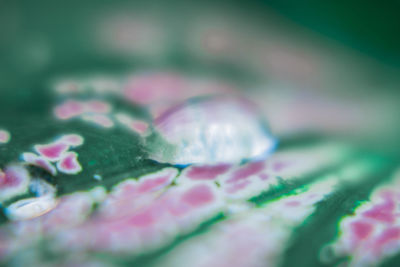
column 78, row 188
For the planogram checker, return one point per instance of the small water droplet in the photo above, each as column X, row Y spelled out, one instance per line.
column 98, row 177
column 28, row 208
column 211, row 130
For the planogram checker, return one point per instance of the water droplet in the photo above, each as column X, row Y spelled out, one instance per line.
column 211, row 131
column 98, row 177
column 28, row 208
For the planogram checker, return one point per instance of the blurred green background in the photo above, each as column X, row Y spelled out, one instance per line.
column 340, row 54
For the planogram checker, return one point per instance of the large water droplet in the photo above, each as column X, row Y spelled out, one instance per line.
column 211, row 131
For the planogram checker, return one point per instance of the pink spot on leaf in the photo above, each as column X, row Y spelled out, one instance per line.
column 382, row 212
column 153, row 184
column 237, row 187
column 246, row 171
column 264, row 176
column 13, row 181
column 97, row 106
column 69, row 163
column 39, row 161
column 69, row 109
column 10, row 178
column 140, row 126
column 53, row 151
column 361, row 230
column 143, row 225
column 73, row 108
column 389, row 235
column 198, row 195
column 4, row 136
column 293, row 203
column 206, row 172
column 151, row 88
column 280, row 165
column 72, row 139
column 99, row 119
column 142, row 219
column 135, row 125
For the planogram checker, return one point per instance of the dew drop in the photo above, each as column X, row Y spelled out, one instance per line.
column 29, row 208
column 211, row 130
column 97, row 177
